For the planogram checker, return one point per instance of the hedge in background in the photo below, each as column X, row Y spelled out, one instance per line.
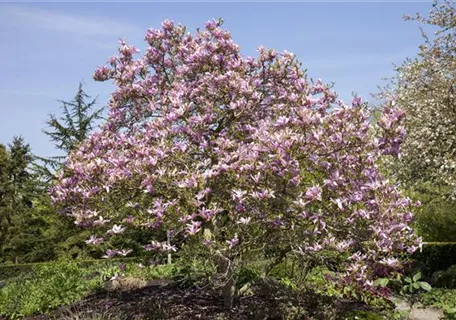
column 436, row 257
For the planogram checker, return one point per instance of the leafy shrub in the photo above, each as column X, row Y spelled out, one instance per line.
column 167, row 271
column 435, row 218
column 282, row 270
column 445, row 279
column 8, row 271
column 49, row 286
column 435, row 257
column 245, row 276
column 413, row 284
column 110, row 270
column 441, row 298
column 11, row 270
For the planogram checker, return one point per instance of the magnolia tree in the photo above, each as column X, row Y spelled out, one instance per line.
column 239, row 154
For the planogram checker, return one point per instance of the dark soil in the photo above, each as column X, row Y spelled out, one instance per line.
column 163, row 299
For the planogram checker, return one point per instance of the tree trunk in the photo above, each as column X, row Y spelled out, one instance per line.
column 225, row 271
column 168, row 241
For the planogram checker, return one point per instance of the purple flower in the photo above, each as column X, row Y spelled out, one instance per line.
column 101, row 74
column 94, row 240
column 110, row 254
column 233, row 242
column 314, row 193
column 193, row 227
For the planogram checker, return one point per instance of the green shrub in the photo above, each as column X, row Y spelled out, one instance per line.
column 8, row 271
column 246, row 275
column 167, row 271
column 47, row 287
column 11, row 270
column 435, row 257
column 445, row 279
column 435, row 218
column 282, row 270
column 441, row 298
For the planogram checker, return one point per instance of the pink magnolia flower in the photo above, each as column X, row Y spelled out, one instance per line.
column 110, row 254
column 160, row 246
column 130, row 219
column 116, row 229
column 314, row 193
column 101, row 221
column 193, row 227
column 392, row 262
column 238, row 195
column 124, row 252
column 244, row 220
column 101, row 74
column 94, row 240
column 233, row 242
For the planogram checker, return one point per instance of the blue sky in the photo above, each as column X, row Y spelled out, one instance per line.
column 47, row 48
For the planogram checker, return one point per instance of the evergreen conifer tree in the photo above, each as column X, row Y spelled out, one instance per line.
column 68, row 130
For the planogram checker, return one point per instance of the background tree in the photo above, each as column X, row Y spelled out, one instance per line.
column 66, row 131
column 18, row 191
column 425, row 88
column 5, row 214
column 30, row 229
column 69, row 130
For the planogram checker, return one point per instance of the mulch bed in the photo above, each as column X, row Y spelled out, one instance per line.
column 163, row 299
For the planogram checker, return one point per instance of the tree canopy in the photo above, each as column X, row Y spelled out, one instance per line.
column 425, row 89
column 239, row 154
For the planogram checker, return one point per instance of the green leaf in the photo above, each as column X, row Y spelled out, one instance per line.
column 425, row 286
column 417, row 276
column 408, row 280
column 416, row 285
column 450, row 310
column 381, row 282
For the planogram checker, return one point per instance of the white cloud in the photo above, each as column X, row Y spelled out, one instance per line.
column 57, row 21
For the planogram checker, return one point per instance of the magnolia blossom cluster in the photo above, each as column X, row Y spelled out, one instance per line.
column 238, row 152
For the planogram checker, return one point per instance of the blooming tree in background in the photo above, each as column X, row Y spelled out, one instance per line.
column 242, row 154
column 425, row 87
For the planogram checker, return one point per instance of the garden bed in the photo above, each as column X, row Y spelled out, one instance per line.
column 165, row 299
